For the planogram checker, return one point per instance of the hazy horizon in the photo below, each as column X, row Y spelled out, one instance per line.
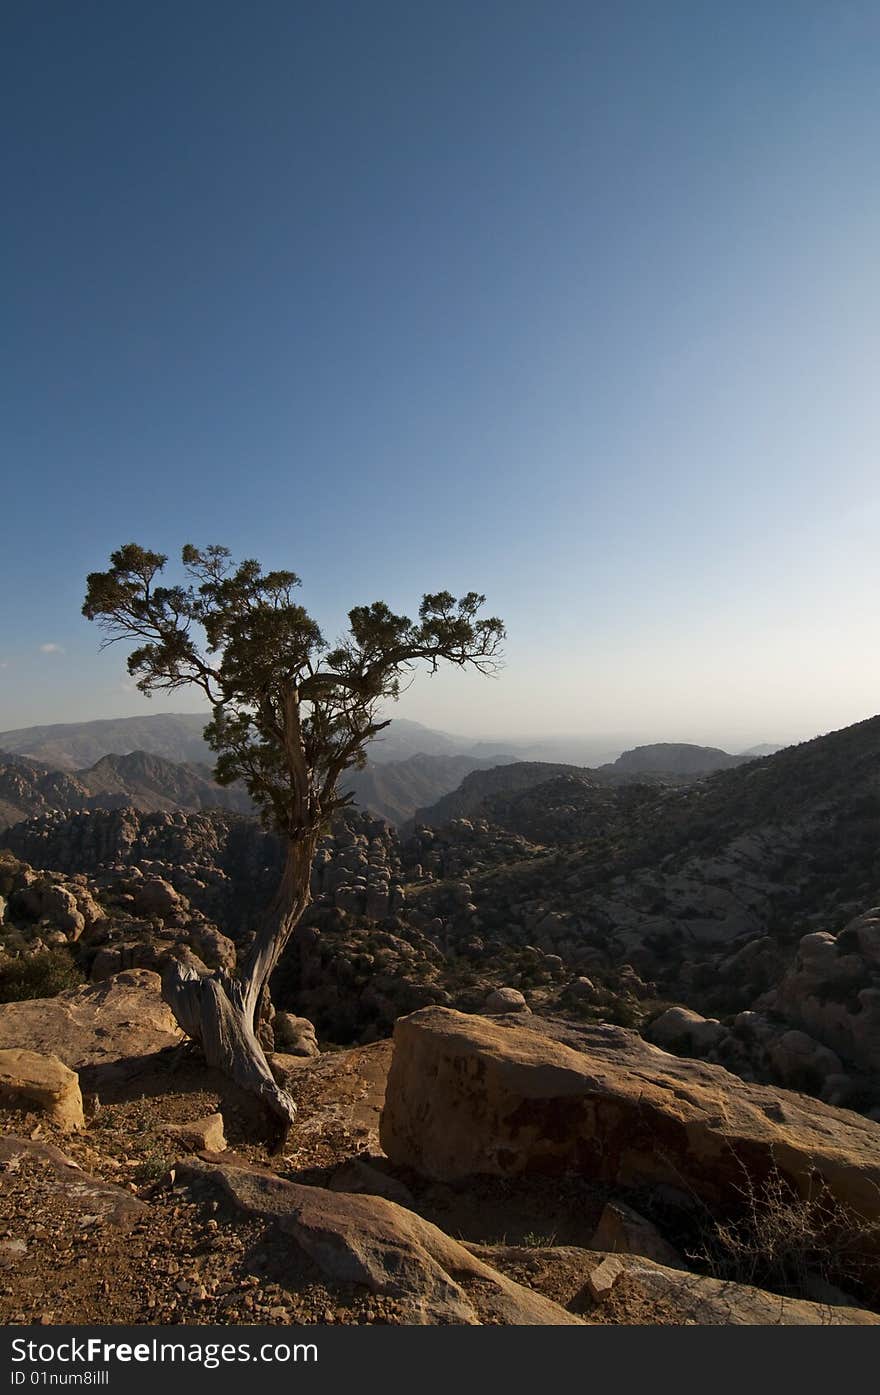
column 612, row 742
column 577, row 305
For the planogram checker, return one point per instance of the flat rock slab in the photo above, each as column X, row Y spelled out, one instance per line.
column 96, row 1025
column 644, row 1293
column 372, row 1241
column 98, row 1200
column 468, row 1095
column 29, row 1080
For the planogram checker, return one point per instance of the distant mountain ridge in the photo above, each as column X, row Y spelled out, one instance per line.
column 74, row 746
column 138, row 780
column 675, row 758
column 149, row 783
column 177, row 736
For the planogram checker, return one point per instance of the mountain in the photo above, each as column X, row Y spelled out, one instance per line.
column 138, row 780
column 766, row 749
column 475, row 789
column 395, row 789
column 391, row 789
column 175, row 736
column 149, row 783
column 28, row 788
column 674, row 758
column 776, row 846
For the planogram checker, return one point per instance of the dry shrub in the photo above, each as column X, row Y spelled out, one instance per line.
column 792, row 1244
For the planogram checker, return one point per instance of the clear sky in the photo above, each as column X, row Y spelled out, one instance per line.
column 574, row 303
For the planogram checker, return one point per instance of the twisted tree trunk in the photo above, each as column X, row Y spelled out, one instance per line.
column 220, row 1012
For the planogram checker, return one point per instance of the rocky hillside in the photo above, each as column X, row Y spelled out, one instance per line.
column 505, row 779
column 394, row 790
column 139, row 780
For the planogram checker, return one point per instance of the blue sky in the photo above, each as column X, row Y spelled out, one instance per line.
column 576, row 304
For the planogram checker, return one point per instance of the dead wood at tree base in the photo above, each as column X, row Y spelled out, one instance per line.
column 216, row 1012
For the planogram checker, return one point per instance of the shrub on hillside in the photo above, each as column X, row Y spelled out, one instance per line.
column 41, row 975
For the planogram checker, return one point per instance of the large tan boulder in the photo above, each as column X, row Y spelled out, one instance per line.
column 371, row 1241
column 31, row 1081
column 469, row 1095
column 94, row 1025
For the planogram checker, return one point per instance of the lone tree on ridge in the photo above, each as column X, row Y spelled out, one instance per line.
column 290, row 715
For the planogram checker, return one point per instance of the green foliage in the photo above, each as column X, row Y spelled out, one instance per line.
column 41, row 975
column 290, row 712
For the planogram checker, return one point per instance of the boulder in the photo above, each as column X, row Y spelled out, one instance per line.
column 213, row 948
column 295, row 1036
column 469, row 1095
column 96, row 1024
column 31, row 1081
column 678, row 1028
column 622, row 1230
column 582, row 989
column 506, row 1000
column 155, row 896
column 371, row 1241
column 801, row 1062
column 601, row 1280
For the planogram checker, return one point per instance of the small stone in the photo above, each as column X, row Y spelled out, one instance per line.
column 602, row 1279
column 201, row 1136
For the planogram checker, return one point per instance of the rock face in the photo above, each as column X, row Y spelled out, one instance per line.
column 468, row 1095
column 369, row 1240
column 31, row 1081
column 91, row 1026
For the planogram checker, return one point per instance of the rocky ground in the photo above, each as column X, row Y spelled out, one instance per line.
column 478, row 1169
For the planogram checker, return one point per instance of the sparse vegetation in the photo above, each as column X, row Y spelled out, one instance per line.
column 40, row 975
column 791, row 1244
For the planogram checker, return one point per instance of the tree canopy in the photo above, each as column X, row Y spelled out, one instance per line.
column 291, row 712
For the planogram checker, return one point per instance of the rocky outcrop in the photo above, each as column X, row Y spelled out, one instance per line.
column 469, row 1095
column 29, row 1080
column 96, row 1025
column 630, row 1290
column 832, row 991
column 369, row 1240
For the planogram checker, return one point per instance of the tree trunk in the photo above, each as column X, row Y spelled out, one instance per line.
column 220, row 1012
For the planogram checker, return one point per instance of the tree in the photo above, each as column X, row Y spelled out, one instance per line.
column 290, row 714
